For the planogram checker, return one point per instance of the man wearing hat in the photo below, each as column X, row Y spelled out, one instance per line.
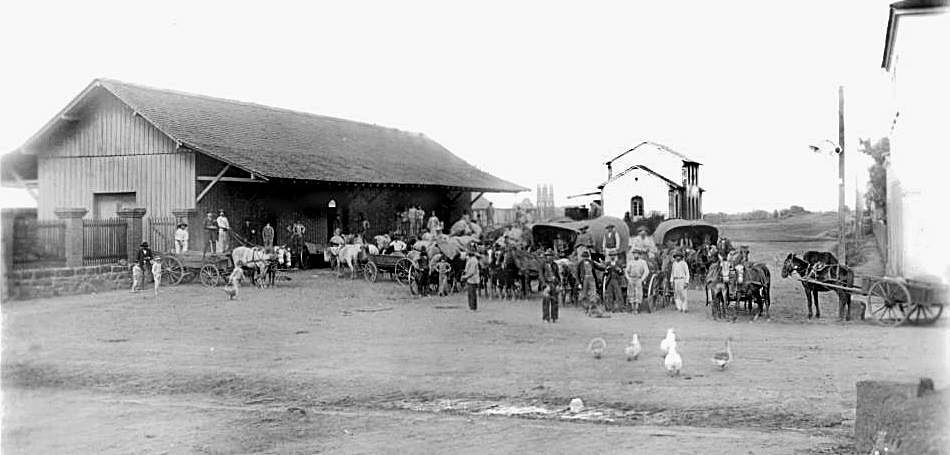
column 611, row 242
column 614, row 282
column 679, row 278
column 181, row 238
column 223, row 227
column 211, row 233
column 587, row 280
column 144, row 258
column 551, row 282
column 637, row 272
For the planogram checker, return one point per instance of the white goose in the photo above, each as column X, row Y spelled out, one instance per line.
column 673, row 362
column 723, row 358
column 669, row 341
column 633, row 349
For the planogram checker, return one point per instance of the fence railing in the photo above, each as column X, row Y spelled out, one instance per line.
column 160, row 233
column 104, row 241
column 38, row 243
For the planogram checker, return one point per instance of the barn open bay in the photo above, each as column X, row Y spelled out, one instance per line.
column 334, row 364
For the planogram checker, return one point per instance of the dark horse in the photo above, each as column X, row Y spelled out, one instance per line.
column 821, row 266
column 756, row 285
column 529, row 268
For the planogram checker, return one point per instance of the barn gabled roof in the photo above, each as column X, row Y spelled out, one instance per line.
column 285, row 144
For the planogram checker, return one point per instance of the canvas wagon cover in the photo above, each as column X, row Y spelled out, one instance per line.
column 545, row 233
column 696, row 228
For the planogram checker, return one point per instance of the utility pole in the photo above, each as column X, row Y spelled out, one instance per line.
column 842, row 251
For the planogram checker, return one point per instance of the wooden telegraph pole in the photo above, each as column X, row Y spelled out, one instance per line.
column 842, row 251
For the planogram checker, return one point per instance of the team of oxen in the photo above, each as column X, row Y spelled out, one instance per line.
column 260, row 265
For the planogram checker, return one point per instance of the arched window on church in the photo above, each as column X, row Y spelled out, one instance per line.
column 636, row 207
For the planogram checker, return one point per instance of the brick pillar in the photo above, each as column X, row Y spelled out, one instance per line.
column 134, row 236
column 73, row 218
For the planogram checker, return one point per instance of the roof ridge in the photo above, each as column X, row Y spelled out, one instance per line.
column 255, row 105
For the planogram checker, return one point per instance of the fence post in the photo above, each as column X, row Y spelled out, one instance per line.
column 73, row 218
column 7, row 251
column 134, row 236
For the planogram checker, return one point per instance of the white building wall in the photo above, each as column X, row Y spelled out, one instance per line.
column 919, row 149
column 636, row 183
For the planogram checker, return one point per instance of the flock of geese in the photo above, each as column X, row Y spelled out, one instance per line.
column 672, row 360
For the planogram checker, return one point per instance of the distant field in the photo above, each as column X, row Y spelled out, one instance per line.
column 802, row 228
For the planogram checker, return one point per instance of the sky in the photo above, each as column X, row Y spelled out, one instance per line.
column 533, row 92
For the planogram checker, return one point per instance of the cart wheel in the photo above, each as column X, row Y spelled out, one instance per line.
column 924, row 313
column 209, row 275
column 370, row 272
column 403, row 271
column 888, row 300
column 172, row 271
column 413, row 285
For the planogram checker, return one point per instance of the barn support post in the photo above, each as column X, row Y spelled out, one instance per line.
column 217, row 178
column 7, row 251
column 73, row 218
column 134, row 234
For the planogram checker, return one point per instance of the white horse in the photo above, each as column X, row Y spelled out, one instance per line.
column 254, row 259
column 351, row 256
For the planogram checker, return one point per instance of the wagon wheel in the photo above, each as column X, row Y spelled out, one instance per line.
column 924, row 313
column 370, row 272
column 888, row 300
column 172, row 271
column 654, row 292
column 403, row 271
column 209, row 275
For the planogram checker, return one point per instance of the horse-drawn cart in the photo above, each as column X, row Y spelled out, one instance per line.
column 893, row 301
column 398, row 266
column 211, row 269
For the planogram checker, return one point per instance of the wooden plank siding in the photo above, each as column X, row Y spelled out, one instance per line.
column 110, row 150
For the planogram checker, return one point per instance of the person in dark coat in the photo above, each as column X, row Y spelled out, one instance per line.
column 422, row 274
column 613, row 285
column 588, row 280
column 211, row 233
column 144, row 258
column 551, row 281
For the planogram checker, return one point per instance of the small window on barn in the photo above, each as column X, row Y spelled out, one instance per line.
column 636, row 206
column 107, row 205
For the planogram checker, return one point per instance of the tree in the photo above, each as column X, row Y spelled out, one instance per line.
column 876, row 196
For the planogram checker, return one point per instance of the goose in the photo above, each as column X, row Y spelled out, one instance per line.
column 577, row 405
column 673, row 362
column 667, row 342
column 723, row 358
column 633, row 349
column 596, row 347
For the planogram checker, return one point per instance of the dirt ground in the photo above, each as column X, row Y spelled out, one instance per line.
column 322, row 364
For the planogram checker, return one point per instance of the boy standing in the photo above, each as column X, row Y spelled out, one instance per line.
column 181, row 238
column 471, row 279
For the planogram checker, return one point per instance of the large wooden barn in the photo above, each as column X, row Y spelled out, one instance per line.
column 122, row 145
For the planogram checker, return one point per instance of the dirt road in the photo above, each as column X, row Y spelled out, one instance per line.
column 375, row 370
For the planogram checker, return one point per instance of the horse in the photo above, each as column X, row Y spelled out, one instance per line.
column 718, row 281
column 506, row 273
column 251, row 260
column 529, row 268
column 569, row 281
column 754, row 284
column 352, row 255
column 821, row 266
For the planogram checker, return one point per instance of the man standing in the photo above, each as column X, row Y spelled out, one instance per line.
column 223, row 227
column 268, row 235
column 587, row 278
column 144, row 259
column 296, row 241
column 211, row 232
column 181, row 238
column 637, row 272
column 471, row 279
column 362, row 225
column 613, row 282
column 490, row 215
column 434, row 225
column 679, row 277
column 552, row 282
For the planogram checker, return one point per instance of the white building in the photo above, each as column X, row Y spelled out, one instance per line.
column 916, row 56
column 652, row 178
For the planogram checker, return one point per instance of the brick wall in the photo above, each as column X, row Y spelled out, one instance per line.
column 38, row 283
